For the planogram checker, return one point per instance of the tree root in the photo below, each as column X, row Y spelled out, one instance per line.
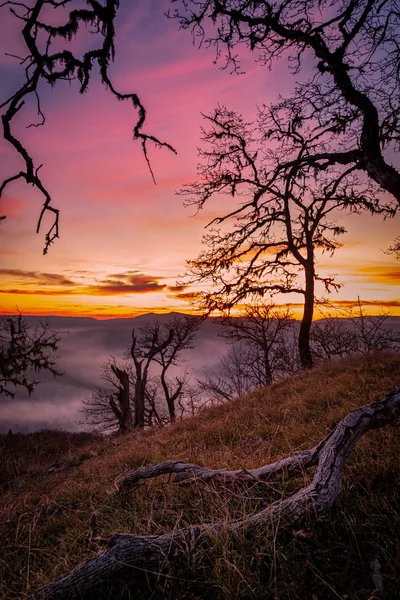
column 188, row 473
column 143, row 554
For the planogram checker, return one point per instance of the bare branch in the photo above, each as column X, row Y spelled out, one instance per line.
column 166, row 553
column 42, row 65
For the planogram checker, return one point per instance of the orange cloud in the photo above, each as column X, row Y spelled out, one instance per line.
column 177, row 288
column 383, row 303
column 382, row 274
column 186, row 296
column 36, row 277
column 32, row 282
column 127, row 283
column 36, row 292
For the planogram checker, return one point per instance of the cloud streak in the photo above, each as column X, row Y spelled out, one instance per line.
column 383, row 274
column 127, row 284
column 36, row 277
column 118, row 284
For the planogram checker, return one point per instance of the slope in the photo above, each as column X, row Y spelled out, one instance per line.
column 53, row 519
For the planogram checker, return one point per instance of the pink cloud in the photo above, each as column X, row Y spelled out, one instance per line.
column 111, row 212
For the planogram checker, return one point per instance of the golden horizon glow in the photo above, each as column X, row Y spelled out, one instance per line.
column 124, row 241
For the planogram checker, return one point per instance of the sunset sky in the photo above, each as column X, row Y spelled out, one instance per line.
column 123, row 240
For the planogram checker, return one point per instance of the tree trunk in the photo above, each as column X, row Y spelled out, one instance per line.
column 140, row 399
column 142, row 555
column 125, row 418
column 305, row 326
column 267, row 368
column 169, row 399
column 171, row 411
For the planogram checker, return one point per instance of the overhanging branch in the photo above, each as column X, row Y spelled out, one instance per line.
column 63, row 65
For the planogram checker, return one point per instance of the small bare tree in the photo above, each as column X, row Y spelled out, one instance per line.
column 25, row 350
column 121, row 403
column 135, row 395
column 266, row 330
column 332, row 337
column 184, row 329
column 354, row 332
column 372, row 333
column 109, row 407
column 192, row 401
column 236, row 374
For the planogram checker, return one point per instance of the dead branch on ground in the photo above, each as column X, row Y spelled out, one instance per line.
column 140, row 555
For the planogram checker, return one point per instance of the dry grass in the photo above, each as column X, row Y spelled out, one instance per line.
column 48, row 520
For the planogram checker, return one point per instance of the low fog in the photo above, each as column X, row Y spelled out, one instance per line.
column 87, row 344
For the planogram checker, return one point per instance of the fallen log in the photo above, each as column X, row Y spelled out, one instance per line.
column 188, row 473
column 166, row 553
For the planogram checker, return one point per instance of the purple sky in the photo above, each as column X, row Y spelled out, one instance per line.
column 124, row 241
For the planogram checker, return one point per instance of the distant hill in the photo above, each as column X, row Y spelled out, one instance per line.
column 86, row 344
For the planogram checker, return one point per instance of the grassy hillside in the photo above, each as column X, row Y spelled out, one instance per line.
column 58, row 495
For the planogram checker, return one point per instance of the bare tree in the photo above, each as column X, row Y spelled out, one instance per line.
column 102, row 409
column 146, row 344
column 143, row 394
column 184, row 329
column 236, row 374
column 331, row 337
column 121, row 405
column 155, row 412
column 263, row 349
column 346, row 59
column 266, row 330
column 192, row 401
column 371, row 332
column 41, row 65
column 269, row 242
column 109, row 407
column 161, row 344
column 25, row 350
column 395, row 248
column 354, row 332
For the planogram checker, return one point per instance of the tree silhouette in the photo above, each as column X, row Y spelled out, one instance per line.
column 146, row 345
column 184, row 329
column 278, row 224
column 109, row 407
column 354, row 332
column 42, row 65
column 161, row 344
column 140, row 394
column 266, row 331
column 24, row 351
column 395, row 248
column 236, row 374
column 348, row 55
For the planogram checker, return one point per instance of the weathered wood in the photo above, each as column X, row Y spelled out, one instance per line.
column 141, row 554
column 188, row 473
column 123, row 411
